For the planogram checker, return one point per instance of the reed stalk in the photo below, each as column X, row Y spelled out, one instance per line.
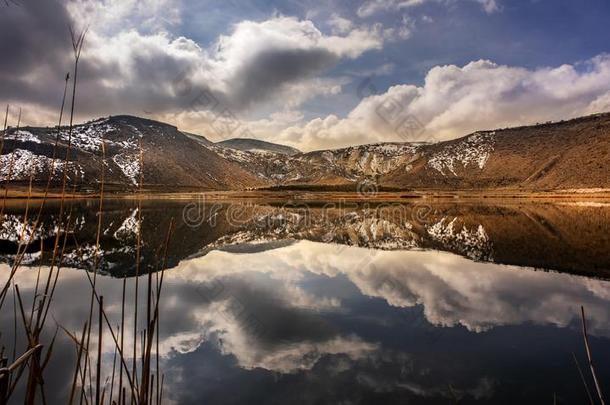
column 145, row 384
column 4, row 130
column 10, row 168
column 138, row 260
column 590, row 356
column 100, row 335
column 34, row 329
column 19, row 257
column 582, row 378
column 81, row 346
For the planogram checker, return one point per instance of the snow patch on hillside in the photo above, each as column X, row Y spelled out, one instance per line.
column 22, row 136
column 472, row 151
column 129, row 165
column 359, row 162
column 370, row 160
column 90, row 136
column 18, row 164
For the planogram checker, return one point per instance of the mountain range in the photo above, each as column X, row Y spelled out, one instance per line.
column 573, row 154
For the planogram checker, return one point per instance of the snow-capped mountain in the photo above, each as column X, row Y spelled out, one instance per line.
column 129, row 147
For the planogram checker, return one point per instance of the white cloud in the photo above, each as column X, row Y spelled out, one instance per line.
column 281, row 57
column 295, row 94
column 600, row 104
column 132, row 64
column 110, row 16
column 372, row 7
column 291, row 358
column 454, row 101
column 406, row 28
column 287, row 116
column 259, row 59
column 339, row 24
column 490, row 6
column 259, row 66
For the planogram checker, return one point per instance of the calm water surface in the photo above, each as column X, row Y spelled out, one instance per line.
column 353, row 304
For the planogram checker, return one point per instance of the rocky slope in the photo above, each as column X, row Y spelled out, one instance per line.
column 327, row 167
column 565, row 155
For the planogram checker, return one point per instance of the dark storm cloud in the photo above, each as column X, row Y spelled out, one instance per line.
column 33, row 33
column 35, row 42
column 131, row 72
column 272, row 69
column 37, row 54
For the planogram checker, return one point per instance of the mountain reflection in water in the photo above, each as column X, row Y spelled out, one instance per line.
column 267, row 304
column 564, row 237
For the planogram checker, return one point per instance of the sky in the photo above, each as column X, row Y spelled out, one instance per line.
column 313, row 75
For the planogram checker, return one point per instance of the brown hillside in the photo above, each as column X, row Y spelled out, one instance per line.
column 566, row 155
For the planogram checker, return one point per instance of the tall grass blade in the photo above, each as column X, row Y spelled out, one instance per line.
column 590, row 356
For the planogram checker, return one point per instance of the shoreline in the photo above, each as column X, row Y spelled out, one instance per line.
column 305, row 196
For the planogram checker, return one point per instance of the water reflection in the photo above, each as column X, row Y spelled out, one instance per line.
column 352, row 308
column 565, row 237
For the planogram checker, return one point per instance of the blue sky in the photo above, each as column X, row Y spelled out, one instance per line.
column 294, row 71
column 527, row 33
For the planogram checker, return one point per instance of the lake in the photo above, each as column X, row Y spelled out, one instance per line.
column 342, row 303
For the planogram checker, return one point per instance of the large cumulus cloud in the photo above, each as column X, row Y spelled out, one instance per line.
column 133, row 64
column 454, row 101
